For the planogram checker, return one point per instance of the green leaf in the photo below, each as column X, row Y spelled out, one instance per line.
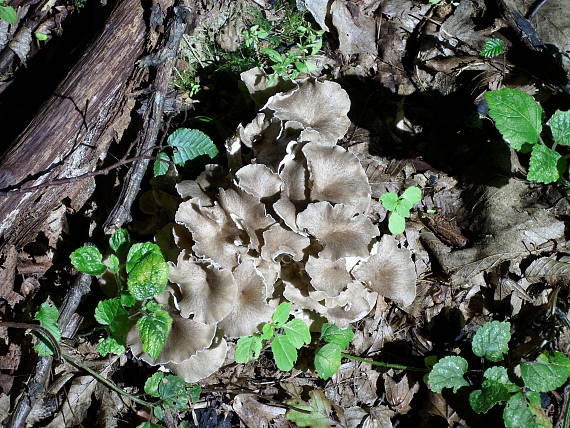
column 247, row 349
column 327, row 360
column 172, row 389
column 149, row 425
column 284, row 352
column 110, row 312
column 189, row 144
column 194, row 392
column 159, row 167
column 149, row 277
column 492, row 48
column 152, row 383
column 41, row 36
column 560, row 127
column 448, row 373
column 330, row 333
column 389, row 200
column 119, row 240
column 517, row 116
column 403, row 208
column 109, row 345
column 396, row 224
column 158, row 412
column 139, row 252
column 548, row 372
column 272, row 54
column 412, row 194
column 89, row 260
column 127, row 300
column 491, row 340
column 543, row 166
column 9, row 14
column 301, row 66
column 113, row 263
column 267, row 331
column 297, row 332
column 153, row 330
column 492, row 393
column 520, row 413
column 47, row 315
column 281, row 314
column 500, row 374
column 319, row 408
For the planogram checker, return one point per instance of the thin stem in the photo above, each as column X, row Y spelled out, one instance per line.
column 388, row 365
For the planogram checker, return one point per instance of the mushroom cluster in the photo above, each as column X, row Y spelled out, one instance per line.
column 294, row 224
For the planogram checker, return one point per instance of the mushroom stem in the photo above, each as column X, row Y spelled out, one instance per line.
column 389, row 365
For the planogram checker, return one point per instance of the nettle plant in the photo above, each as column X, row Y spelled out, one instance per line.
column 521, row 396
column 140, row 274
column 399, row 207
column 519, row 119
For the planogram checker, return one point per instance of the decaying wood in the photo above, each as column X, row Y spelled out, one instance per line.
column 72, row 131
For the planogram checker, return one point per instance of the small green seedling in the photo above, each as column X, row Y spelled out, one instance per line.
column 286, row 337
column 186, row 144
column 47, row 315
column 146, row 274
column 400, row 207
column 8, row 13
column 521, row 396
column 328, row 357
column 492, row 48
column 519, row 119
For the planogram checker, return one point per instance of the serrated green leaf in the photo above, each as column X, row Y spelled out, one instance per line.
column 492, row 392
column 520, row 413
column 153, row 331
column 327, row 360
column 560, row 127
column 89, row 260
column 319, row 408
column 448, row 373
column 284, row 352
column 9, row 14
column 492, row 48
column 247, row 349
column 389, row 200
column 110, row 312
column 119, row 240
column 127, row 300
column 281, row 314
column 396, row 224
column 550, row 371
column 113, row 263
column 267, row 331
column 330, row 333
column 47, row 315
column 152, row 383
column 149, row 277
column 413, row 194
column 189, row 144
column 543, row 166
column 297, row 332
column 517, row 116
column 140, row 251
column 491, row 340
column 160, row 168
column 109, row 345
column 500, row 374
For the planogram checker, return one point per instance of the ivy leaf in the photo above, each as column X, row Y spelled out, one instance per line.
column 109, row 345
column 9, row 14
column 543, row 166
column 500, row 374
column 548, row 372
column 297, row 332
column 523, row 410
column 140, row 251
column 448, row 373
column 492, row 48
column 47, row 315
column 412, row 194
column 119, row 240
column 153, row 330
column 492, row 393
column 491, row 340
column 159, row 167
column 189, row 144
column 88, row 259
column 110, row 312
column 560, row 127
column 330, row 333
column 319, row 408
column 517, row 116
column 149, row 277
column 327, row 360
column 247, row 349
column 396, row 224
column 281, row 314
column 284, row 352
column 389, row 200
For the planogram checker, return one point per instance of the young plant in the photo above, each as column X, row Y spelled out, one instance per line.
column 186, row 144
column 328, row 357
column 521, row 396
column 146, row 274
column 47, row 315
column 286, row 338
column 400, row 207
column 519, row 119
column 492, row 48
column 8, row 13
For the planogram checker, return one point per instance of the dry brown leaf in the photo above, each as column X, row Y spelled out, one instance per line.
column 255, row 414
column 400, row 394
column 7, row 277
column 549, row 269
